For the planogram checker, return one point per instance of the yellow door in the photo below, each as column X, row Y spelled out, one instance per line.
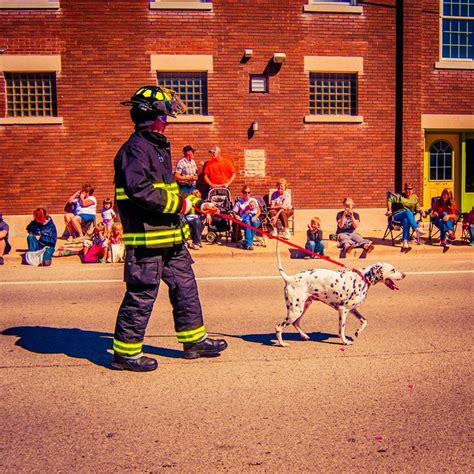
column 441, row 165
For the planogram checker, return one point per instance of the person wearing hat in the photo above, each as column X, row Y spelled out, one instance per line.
column 151, row 211
column 186, row 173
column 5, row 246
column 219, row 172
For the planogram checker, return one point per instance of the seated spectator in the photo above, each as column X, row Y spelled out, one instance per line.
column 314, row 237
column 5, row 246
column 108, row 214
column 85, row 208
column 406, row 215
column 186, row 173
column 195, row 223
column 281, row 208
column 95, row 249
column 219, row 172
column 444, row 215
column 467, row 223
column 42, row 233
column 248, row 211
column 116, row 247
column 347, row 235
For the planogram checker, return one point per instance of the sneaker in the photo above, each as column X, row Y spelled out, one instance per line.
column 419, row 231
column 205, row 348
column 2, row 261
column 369, row 247
column 274, row 233
column 250, row 247
column 135, row 364
column 405, row 244
column 286, row 234
column 443, row 243
column 46, row 263
column 194, row 247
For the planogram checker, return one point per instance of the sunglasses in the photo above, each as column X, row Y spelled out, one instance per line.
column 245, row 192
column 408, row 189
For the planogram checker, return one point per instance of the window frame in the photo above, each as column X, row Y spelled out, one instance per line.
column 437, row 168
column 185, row 63
column 334, row 6
column 31, row 64
column 266, row 80
column 334, row 64
column 450, row 63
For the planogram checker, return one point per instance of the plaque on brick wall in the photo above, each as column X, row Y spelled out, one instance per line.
column 254, row 163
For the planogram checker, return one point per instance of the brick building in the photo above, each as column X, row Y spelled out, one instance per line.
column 339, row 97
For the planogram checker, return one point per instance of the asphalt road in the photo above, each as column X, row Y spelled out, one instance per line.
column 399, row 399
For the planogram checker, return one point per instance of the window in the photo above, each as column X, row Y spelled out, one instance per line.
column 259, row 83
column 31, row 94
column 332, row 94
column 29, row 4
column 457, row 39
column 181, row 5
column 441, row 161
column 191, row 88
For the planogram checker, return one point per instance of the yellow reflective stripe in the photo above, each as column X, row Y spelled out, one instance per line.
column 128, row 348
column 172, row 203
column 157, row 237
column 192, row 335
column 120, row 194
column 192, row 198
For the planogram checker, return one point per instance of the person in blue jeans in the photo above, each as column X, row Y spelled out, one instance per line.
column 248, row 210
column 314, row 237
column 42, row 233
column 409, row 206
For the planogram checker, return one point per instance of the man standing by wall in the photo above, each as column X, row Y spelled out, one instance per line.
column 219, row 172
column 186, row 173
column 151, row 211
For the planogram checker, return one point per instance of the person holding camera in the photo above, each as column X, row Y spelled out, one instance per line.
column 347, row 223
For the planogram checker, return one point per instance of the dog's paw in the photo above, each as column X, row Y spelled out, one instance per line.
column 305, row 337
column 347, row 342
column 282, row 344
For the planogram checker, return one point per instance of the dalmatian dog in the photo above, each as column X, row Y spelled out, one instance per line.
column 342, row 290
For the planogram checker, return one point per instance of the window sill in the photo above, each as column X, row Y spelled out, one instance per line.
column 454, row 64
column 19, row 4
column 163, row 5
column 333, row 118
column 31, row 121
column 313, row 8
column 192, row 119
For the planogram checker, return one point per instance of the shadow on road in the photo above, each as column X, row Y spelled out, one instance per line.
column 270, row 339
column 74, row 342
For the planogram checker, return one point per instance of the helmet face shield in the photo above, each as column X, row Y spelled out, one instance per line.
column 157, row 100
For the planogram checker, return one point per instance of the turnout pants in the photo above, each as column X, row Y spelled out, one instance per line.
column 144, row 270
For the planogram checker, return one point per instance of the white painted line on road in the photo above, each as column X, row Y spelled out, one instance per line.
column 221, row 278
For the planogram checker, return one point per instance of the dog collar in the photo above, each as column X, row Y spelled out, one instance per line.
column 362, row 276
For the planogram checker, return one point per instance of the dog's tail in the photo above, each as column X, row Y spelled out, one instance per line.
column 280, row 267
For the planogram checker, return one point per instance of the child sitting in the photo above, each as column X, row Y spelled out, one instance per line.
column 108, row 214
column 468, row 223
column 95, row 249
column 116, row 248
column 314, row 237
column 195, row 222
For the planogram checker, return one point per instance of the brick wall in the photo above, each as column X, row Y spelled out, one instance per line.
column 43, row 165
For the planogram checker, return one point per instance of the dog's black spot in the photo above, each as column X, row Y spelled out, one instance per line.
column 332, row 285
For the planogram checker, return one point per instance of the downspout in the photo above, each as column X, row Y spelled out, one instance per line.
column 398, row 96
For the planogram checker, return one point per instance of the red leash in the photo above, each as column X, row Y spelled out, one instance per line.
column 291, row 244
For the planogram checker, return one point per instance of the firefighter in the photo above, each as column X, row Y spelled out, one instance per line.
column 155, row 232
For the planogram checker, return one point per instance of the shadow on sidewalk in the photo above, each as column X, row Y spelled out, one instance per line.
column 74, row 342
column 270, row 339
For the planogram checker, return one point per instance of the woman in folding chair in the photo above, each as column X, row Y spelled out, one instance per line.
column 406, row 214
column 444, row 215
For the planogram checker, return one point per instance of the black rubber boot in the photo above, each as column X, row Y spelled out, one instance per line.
column 141, row 364
column 206, row 348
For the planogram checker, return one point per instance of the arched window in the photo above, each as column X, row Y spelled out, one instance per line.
column 441, row 161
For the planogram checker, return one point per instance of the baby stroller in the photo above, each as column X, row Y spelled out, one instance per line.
column 221, row 198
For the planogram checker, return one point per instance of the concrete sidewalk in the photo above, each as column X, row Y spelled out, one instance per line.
column 383, row 248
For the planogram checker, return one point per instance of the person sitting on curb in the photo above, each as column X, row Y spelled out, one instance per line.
column 314, row 237
column 281, row 208
column 5, row 246
column 444, row 215
column 42, row 233
column 468, row 224
column 347, row 236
